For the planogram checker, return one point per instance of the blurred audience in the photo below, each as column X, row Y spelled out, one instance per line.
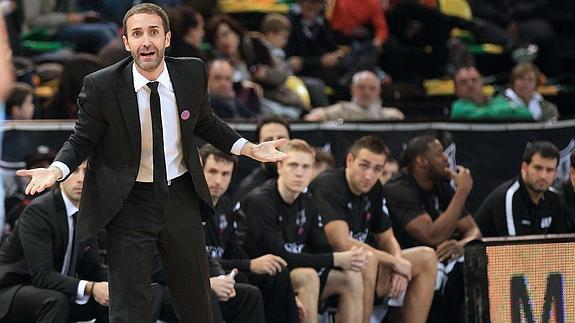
column 61, row 21
column 223, row 98
column 253, row 61
column 516, row 25
column 187, row 27
column 473, row 103
column 365, row 103
column 525, row 78
column 20, row 102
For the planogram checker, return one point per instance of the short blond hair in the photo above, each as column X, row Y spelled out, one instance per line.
column 298, row 145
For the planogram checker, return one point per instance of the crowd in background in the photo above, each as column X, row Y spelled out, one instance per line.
column 320, row 61
column 382, row 233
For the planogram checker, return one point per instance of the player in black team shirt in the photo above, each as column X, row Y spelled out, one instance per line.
column 223, row 249
column 283, row 220
column 426, row 211
column 352, row 207
column 526, row 204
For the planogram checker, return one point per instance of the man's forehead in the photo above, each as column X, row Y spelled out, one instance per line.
column 144, row 20
column 368, row 156
column 220, row 163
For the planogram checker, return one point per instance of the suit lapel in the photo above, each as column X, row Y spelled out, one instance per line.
column 62, row 224
column 129, row 106
column 184, row 91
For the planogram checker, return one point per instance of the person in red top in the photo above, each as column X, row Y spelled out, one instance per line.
column 349, row 18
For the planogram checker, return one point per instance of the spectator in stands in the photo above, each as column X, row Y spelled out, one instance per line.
column 266, row 129
column 20, row 102
column 524, row 80
column 389, row 170
column 312, row 49
column 276, row 29
column 282, row 220
column 253, row 60
column 225, row 252
column 75, row 69
column 323, row 160
column 526, row 205
column 416, row 26
column 187, row 27
column 112, row 53
column 41, row 259
column 473, row 104
column 62, row 22
column 426, row 211
column 365, row 103
column 362, row 26
column 568, row 190
column 517, row 24
column 352, row 207
column 223, row 98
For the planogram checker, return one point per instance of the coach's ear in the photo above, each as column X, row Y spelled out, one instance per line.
column 348, row 159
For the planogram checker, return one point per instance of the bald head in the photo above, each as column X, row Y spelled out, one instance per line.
column 220, row 81
column 365, row 88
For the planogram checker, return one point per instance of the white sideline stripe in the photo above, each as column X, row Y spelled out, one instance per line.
column 50, row 125
column 509, row 208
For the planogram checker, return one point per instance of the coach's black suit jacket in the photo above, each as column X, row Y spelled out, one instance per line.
column 108, row 132
column 33, row 254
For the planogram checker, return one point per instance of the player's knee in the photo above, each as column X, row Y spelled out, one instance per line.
column 427, row 258
column 304, row 278
column 353, row 281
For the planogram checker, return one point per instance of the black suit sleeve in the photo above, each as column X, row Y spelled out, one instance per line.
column 210, row 127
column 89, row 128
column 36, row 235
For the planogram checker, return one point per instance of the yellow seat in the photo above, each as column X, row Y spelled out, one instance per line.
column 461, row 9
column 297, row 86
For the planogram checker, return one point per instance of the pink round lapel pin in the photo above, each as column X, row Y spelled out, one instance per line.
column 185, row 115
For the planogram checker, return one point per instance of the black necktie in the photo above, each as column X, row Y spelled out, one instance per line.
column 74, row 250
column 160, row 178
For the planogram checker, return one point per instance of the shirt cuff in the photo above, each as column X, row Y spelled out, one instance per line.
column 238, row 145
column 62, row 167
column 81, row 298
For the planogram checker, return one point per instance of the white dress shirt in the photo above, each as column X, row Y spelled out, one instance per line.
column 70, row 210
column 173, row 152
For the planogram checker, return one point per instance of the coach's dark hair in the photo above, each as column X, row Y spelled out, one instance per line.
column 543, row 148
column 148, row 8
column 208, row 150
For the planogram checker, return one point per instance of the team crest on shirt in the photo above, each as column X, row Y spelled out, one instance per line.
column 366, row 208
column 300, row 221
column 223, row 222
column 546, row 222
